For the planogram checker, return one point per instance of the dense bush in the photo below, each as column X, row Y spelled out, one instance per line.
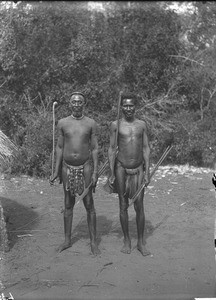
column 50, row 50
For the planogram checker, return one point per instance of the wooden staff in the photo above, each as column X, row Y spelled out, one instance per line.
column 53, row 148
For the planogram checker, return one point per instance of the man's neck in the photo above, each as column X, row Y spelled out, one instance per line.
column 129, row 120
column 77, row 116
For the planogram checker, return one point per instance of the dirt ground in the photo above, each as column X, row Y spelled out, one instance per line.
column 180, row 216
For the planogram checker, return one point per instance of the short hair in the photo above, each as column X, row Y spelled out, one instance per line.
column 129, row 96
column 78, row 93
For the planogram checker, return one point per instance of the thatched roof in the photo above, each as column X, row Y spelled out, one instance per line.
column 7, row 149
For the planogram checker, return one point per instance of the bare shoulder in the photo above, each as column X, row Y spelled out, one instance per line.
column 91, row 122
column 113, row 125
column 142, row 124
column 62, row 122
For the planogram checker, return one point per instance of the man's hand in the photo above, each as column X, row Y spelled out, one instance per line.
column 146, row 180
column 94, row 181
column 53, row 178
column 214, row 179
column 111, row 180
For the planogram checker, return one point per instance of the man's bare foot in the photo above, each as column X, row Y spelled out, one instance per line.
column 143, row 250
column 65, row 245
column 127, row 247
column 94, row 249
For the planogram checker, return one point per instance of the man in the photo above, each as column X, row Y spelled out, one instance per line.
column 131, row 168
column 76, row 149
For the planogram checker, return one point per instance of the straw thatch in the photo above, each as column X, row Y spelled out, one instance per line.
column 7, row 149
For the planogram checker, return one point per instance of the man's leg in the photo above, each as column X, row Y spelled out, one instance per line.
column 140, row 221
column 91, row 220
column 91, row 214
column 123, row 208
column 68, row 218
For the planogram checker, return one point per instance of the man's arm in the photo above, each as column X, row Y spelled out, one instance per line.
column 59, row 152
column 146, row 154
column 94, row 150
column 111, row 150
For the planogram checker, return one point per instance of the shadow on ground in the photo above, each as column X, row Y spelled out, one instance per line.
column 81, row 231
column 149, row 228
column 17, row 217
column 106, row 226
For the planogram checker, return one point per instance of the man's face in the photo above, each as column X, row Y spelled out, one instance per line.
column 77, row 103
column 128, row 108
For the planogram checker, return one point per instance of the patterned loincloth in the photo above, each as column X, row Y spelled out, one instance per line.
column 75, row 179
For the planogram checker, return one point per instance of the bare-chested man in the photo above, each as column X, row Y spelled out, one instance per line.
column 77, row 153
column 131, row 168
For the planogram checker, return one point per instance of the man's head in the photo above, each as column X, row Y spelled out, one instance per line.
column 128, row 103
column 79, row 94
column 129, row 96
column 77, row 103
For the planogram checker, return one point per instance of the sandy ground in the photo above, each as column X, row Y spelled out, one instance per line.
column 180, row 216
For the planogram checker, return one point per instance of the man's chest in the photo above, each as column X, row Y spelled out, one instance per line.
column 77, row 130
column 130, row 131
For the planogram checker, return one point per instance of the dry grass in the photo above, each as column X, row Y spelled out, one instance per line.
column 7, row 149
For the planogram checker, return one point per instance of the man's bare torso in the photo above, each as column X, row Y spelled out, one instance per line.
column 130, row 143
column 77, row 140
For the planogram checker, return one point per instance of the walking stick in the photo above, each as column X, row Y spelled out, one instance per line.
column 53, row 147
column 143, row 186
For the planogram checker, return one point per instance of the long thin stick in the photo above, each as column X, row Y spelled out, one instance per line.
column 117, row 129
column 151, row 175
column 107, row 185
column 86, row 190
column 53, row 148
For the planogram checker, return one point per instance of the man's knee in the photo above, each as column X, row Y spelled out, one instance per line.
column 89, row 204
column 138, row 205
column 90, row 209
column 68, row 211
column 123, row 205
column 69, row 205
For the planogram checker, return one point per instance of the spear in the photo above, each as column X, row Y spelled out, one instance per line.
column 110, row 187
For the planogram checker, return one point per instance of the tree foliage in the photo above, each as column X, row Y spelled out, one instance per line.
column 49, row 50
